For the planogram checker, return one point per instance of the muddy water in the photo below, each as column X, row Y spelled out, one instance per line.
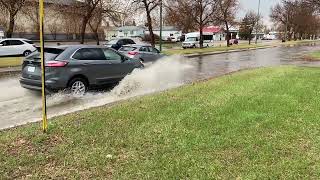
column 19, row 106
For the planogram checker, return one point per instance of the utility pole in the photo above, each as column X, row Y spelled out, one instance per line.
column 258, row 22
column 160, row 26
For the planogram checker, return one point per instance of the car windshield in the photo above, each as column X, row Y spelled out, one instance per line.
column 127, row 48
column 112, row 42
column 192, row 39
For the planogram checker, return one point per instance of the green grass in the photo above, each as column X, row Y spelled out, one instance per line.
column 257, row 124
column 210, row 49
column 315, row 55
column 10, row 61
column 297, row 42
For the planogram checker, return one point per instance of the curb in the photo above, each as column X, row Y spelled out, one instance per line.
column 11, row 71
column 227, row 51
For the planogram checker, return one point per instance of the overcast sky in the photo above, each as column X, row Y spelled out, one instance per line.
column 246, row 5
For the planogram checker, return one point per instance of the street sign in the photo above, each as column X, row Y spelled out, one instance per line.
column 43, row 78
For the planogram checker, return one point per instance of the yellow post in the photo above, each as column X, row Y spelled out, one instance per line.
column 44, row 100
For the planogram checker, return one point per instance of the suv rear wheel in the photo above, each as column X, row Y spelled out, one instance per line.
column 78, row 87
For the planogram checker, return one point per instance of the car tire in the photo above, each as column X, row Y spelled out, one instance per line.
column 26, row 53
column 78, row 86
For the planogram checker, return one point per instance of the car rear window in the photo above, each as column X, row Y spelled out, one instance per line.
column 49, row 54
column 127, row 48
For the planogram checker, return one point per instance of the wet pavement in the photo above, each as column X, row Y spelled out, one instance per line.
column 19, row 106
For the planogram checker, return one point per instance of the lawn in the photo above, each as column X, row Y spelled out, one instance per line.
column 256, row 124
column 211, row 49
column 314, row 55
column 292, row 42
column 10, row 61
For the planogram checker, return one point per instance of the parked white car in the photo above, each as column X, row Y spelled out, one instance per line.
column 16, row 46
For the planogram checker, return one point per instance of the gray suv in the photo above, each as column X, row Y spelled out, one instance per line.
column 76, row 68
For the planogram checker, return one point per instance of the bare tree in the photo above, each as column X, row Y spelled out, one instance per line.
column 203, row 14
column 191, row 14
column 86, row 10
column 247, row 25
column 148, row 6
column 31, row 11
column 296, row 18
column 178, row 15
column 226, row 15
column 95, row 22
column 54, row 28
column 12, row 7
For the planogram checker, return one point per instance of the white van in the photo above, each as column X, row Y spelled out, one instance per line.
column 192, row 40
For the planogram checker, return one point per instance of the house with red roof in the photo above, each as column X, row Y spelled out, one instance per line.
column 217, row 32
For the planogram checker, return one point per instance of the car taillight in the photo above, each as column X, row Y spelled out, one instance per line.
column 132, row 53
column 56, row 64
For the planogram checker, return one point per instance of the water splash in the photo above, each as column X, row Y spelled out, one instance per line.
column 19, row 106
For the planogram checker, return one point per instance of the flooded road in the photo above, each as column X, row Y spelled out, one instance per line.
column 19, row 106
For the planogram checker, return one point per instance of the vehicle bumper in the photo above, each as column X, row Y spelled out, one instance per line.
column 36, row 85
column 188, row 45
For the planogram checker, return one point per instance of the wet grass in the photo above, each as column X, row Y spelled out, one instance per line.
column 10, row 61
column 257, row 124
column 211, row 49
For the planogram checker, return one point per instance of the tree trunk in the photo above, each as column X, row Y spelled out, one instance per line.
column 11, row 26
column 201, row 37
column 96, row 34
column 228, row 34
column 83, row 29
column 250, row 35
column 150, row 27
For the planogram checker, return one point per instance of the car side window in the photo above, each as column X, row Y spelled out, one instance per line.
column 154, row 50
column 110, row 55
column 121, row 42
column 15, row 43
column 89, row 54
column 144, row 49
column 5, row 43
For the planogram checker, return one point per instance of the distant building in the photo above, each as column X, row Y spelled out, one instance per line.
column 234, row 32
column 130, row 32
column 168, row 32
column 217, row 32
